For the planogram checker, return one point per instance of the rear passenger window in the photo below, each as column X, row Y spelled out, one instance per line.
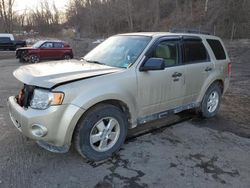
column 217, row 49
column 58, row 45
column 194, row 51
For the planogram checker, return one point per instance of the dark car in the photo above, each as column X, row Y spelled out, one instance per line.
column 7, row 44
column 45, row 50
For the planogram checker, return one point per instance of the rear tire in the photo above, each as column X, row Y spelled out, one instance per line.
column 211, row 101
column 101, row 132
column 66, row 57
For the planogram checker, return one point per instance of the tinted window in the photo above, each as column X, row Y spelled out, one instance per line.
column 5, row 39
column 47, row 45
column 217, row 49
column 167, row 50
column 194, row 51
column 58, row 45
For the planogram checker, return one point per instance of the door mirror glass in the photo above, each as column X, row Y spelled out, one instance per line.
column 153, row 64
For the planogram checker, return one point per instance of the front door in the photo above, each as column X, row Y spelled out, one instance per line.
column 46, row 50
column 164, row 89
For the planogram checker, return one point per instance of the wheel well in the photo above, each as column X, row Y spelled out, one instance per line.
column 67, row 53
column 220, row 84
column 36, row 54
column 119, row 104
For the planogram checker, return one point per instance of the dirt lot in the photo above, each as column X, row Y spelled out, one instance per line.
column 7, row 54
column 191, row 153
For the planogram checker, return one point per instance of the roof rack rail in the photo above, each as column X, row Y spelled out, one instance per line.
column 189, row 31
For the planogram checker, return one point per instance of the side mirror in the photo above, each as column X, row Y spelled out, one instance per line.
column 153, row 64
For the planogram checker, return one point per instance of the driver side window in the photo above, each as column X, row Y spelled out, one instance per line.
column 168, row 51
column 47, row 45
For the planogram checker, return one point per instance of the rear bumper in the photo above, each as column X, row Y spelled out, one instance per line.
column 59, row 121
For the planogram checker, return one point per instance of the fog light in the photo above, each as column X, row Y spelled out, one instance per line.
column 38, row 130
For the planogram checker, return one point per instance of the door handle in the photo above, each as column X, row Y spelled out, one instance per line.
column 208, row 69
column 176, row 74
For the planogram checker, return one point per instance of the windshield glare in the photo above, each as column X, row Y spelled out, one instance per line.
column 118, row 51
column 38, row 44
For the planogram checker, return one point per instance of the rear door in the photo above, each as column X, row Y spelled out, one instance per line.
column 165, row 89
column 58, row 50
column 198, row 66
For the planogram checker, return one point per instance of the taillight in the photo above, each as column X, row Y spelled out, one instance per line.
column 229, row 69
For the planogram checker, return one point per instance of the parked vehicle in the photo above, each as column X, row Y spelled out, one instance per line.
column 126, row 81
column 7, row 42
column 11, row 36
column 45, row 50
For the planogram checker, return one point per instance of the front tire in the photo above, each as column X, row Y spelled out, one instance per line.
column 101, row 132
column 21, row 60
column 34, row 58
column 211, row 101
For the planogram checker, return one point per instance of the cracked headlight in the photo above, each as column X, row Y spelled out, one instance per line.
column 42, row 99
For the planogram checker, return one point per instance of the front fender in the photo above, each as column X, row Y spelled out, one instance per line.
column 120, row 86
column 91, row 98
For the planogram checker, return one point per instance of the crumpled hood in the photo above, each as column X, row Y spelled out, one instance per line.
column 26, row 48
column 49, row 74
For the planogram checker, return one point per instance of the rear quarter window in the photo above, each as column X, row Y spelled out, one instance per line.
column 194, row 51
column 217, row 49
column 66, row 45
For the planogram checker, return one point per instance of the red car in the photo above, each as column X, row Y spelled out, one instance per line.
column 44, row 50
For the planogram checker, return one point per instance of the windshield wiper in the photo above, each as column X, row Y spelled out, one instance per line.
column 100, row 63
column 92, row 61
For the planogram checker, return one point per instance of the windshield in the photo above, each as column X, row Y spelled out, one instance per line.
column 38, row 44
column 118, row 51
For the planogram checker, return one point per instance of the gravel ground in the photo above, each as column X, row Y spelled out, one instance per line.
column 7, row 54
column 191, row 153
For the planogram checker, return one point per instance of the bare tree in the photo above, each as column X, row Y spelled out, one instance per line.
column 230, row 19
column 206, row 5
column 6, row 14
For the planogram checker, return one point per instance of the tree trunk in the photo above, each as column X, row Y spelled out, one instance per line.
column 233, row 31
column 206, row 6
column 191, row 9
column 130, row 15
column 157, row 14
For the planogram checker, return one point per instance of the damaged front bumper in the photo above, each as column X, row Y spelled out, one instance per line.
column 57, row 122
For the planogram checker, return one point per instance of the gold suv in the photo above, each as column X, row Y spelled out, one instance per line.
column 126, row 81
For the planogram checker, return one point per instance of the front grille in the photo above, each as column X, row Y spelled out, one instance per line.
column 25, row 95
